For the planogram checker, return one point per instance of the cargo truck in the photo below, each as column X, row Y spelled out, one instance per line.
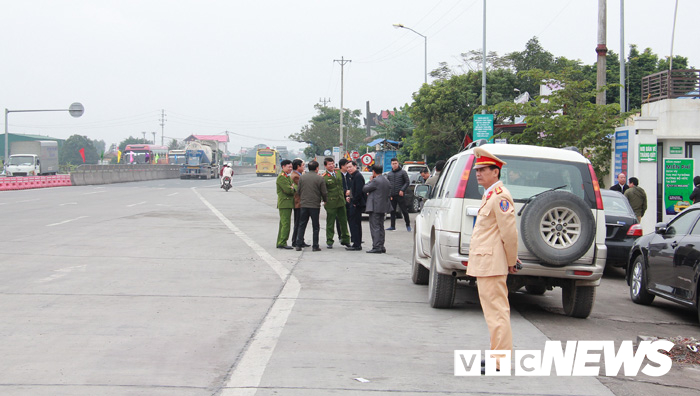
column 202, row 160
column 33, row 158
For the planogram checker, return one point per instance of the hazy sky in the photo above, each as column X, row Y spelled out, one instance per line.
column 256, row 68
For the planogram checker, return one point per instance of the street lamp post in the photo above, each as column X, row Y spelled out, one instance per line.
column 76, row 110
column 425, row 58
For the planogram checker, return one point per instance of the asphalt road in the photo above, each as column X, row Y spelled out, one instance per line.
column 174, row 287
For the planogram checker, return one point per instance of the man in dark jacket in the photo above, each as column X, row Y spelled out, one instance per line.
column 378, row 190
column 637, row 198
column 695, row 195
column 621, row 185
column 399, row 183
column 357, row 201
column 312, row 190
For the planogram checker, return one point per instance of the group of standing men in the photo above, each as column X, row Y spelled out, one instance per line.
column 636, row 195
column 345, row 196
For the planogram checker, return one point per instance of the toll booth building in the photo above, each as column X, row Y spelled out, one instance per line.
column 661, row 147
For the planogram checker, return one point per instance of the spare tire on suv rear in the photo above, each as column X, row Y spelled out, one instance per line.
column 557, row 227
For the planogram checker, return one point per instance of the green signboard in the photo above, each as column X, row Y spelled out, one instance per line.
column 678, row 184
column 675, row 150
column 647, row 152
column 483, row 126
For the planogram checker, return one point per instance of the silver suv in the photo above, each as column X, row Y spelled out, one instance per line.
column 561, row 225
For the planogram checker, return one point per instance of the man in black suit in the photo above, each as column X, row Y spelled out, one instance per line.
column 621, row 185
column 345, row 177
column 357, row 201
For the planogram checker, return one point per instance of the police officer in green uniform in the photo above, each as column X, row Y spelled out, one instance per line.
column 335, row 207
column 285, row 203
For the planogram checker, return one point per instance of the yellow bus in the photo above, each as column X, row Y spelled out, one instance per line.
column 267, row 162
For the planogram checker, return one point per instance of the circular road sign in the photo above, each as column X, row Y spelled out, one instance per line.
column 327, row 152
column 366, row 159
column 355, row 155
column 76, row 109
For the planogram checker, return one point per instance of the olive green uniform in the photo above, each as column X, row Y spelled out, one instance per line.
column 335, row 207
column 285, row 204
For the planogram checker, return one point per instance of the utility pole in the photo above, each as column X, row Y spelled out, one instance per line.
column 154, row 138
column 144, row 137
column 602, row 51
column 622, row 57
column 483, row 66
column 324, row 101
column 162, row 125
column 342, row 62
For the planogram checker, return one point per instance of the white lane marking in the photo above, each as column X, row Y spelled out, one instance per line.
column 62, row 272
column 247, row 374
column 68, row 203
column 66, row 221
column 255, row 184
column 140, row 203
column 170, row 195
column 94, row 192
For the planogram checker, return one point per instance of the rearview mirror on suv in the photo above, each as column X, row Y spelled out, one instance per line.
column 422, row 191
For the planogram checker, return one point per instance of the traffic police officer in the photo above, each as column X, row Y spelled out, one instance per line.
column 493, row 251
column 285, row 203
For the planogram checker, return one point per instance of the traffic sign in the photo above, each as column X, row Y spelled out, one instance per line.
column 367, row 160
column 355, row 155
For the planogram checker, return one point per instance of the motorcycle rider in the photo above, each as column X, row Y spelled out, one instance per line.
column 227, row 170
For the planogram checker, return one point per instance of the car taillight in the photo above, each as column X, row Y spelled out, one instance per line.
column 635, row 230
column 596, row 189
column 462, row 186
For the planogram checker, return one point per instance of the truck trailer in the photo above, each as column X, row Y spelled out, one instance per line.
column 33, row 158
column 202, row 161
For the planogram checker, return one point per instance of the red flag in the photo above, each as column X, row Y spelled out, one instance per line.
column 467, row 140
column 82, row 154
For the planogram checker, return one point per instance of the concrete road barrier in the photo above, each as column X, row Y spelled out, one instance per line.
column 107, row 174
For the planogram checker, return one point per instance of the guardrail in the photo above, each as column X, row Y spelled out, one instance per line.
column 671, row 85
column 107, row 174
column 27, row 182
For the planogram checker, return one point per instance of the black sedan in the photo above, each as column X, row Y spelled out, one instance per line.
column 666, row 263
column 621, row 227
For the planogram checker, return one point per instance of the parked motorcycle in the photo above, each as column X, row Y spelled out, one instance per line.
column 227, row 183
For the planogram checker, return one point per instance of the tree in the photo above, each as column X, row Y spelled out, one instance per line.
column 100, row 146
column 568, row 117
column 70, row 151
column 175, row 145
column 639, row 65
column 323, row 131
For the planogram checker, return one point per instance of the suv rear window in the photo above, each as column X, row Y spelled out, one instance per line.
column 525, row 177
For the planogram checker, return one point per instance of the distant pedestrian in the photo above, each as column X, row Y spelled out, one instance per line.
column 357, row 200
column 312, row 191
column 335, row 206
column 285, row 203
column 621, row 185
column 432, row 181
column 695, row 195
column 378, row 204
column 424, row 175
column 297, row 171
column 399, row 183
column 637, row 197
